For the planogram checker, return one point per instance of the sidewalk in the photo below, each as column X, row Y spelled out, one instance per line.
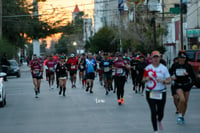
column 24, row 67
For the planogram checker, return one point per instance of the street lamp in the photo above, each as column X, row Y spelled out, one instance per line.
column 74, row 43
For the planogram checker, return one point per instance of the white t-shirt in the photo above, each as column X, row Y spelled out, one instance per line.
column 155, row 73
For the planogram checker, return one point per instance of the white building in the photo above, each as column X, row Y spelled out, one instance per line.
column 87, row 29
column 99, row 19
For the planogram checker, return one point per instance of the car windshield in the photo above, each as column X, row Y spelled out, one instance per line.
column 13, row 63
column 190, row 55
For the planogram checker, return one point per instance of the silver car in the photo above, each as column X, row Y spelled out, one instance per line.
column 2, row 90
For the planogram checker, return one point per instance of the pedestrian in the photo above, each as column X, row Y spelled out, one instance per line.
column 156, row 76
column 99, row 59
column 184, row 76
column 62, row 73
column 73, row 66
column 90, row 72
column 120, row 67
column 4, row 65
column 36, row 71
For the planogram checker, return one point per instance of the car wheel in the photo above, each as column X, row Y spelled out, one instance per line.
column 18, row 75
column 2, row 104
column 4, row 101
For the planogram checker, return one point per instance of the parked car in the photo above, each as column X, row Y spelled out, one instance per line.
column 14, row 69
column 193, row 57
column 2, row 90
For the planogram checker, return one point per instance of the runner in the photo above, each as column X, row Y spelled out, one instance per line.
column 73, row 66
column 90, row 72
column 156, row 76
column 127, row 60
column 62, row 72
column 82, row 64
column 184, row 76
column 50, row 69
column 140, row 71
column 120, row 75
column 134, row 62
column 107, row 72
column 99, row 59
column 36, row 71
column 173, row 90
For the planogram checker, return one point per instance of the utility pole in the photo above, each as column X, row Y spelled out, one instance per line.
column 1, row 18
column 36, row 43
column 181, row 24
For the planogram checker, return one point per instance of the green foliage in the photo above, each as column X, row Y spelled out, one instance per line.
column 104, row 40
column 17, row 22
column 62, row 46
column 5, row 46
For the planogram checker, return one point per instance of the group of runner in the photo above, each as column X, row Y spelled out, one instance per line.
column 149, row 74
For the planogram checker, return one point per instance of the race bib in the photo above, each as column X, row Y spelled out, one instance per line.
column 106, row 69
column 98, row 66
column 51, row 69
column 119, row 71
column 81, row 67
column 36, row 71
column 180, row 72
column 157, row 95
column 73, row 67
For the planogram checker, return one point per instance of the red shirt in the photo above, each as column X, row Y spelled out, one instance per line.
column 51, row 65
column 35, row 68
column 119, row 67
column 73, row 63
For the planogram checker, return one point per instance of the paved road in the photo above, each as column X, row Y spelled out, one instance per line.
column 81, row 112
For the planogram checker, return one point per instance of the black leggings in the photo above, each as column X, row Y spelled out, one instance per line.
column 157, row 109
column 120, row 82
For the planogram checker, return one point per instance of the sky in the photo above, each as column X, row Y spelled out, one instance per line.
column 54, row 10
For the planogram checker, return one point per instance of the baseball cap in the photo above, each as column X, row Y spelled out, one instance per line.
column 182, row 54
column 72, row 55
column 62, row 57
column 155, row 53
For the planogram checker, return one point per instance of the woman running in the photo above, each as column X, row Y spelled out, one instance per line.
column 156, row 75
column 36, row 71
column 120, row 67
column 62, row 72
column 184, row 76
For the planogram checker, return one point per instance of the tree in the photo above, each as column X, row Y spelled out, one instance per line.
column 104, row 40
column 62, row 46
column 5, row 45
column 19, row 25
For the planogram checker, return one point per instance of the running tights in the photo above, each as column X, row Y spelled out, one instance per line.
column 120, row 82
column 157, row 109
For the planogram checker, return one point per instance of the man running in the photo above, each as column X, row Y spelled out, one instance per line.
column 107, row 72
column 90, row 72
column 50, row 69
column 73, row 66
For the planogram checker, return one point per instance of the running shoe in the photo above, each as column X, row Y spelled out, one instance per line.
column 64, row 94
column 106, row 92
column 36, row 96
column 180, row 120
column 119, row 101
column 91, row 91
column 60, row 92
column 122, row 100
column 87, row 89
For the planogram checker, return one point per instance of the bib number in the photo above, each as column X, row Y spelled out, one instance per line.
column 119, row 71
column 106, row 69
column 36, row 71
column 157, row 95
column 81, row 67
column 73, row 67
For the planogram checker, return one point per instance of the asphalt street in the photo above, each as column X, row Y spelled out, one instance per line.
column 82, row 112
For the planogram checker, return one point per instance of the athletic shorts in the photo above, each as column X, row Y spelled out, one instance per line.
column 185, row 88
column 72, row 72
column 90, row 76
column 173, row 90
column 107, row 76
